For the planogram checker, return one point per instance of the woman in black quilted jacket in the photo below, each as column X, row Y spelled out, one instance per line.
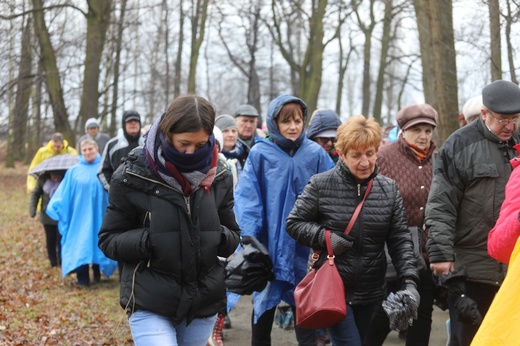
column 328, row 203
column 170, row 216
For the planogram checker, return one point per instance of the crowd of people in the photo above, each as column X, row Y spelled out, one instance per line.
column 167, row 208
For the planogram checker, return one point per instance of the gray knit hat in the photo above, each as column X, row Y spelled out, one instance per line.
column 225, row 121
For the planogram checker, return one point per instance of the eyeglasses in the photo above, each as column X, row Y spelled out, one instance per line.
column 514, row 120
column 325, row 140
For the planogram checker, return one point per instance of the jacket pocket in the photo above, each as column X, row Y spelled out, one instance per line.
column 485, row 170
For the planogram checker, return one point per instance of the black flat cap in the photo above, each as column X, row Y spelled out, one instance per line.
column 502, row 97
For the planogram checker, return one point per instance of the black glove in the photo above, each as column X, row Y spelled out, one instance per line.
column 340, row 243
column 466, row 308
column 412, row 288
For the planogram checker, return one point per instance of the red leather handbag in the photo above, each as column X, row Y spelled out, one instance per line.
column 320, row 296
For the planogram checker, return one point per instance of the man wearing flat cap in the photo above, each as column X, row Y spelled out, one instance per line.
column 247, row 121
column 471, row 172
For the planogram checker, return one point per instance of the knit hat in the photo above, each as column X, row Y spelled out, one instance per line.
column 472, row 107
column 502, row 97
column 225, row 121
column 416, row 114
column 218, row 136
column 91, row 123
column 131, row 115
column 246, row 110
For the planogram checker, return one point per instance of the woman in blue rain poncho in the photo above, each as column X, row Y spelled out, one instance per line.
column 79, row 205
column 275, row 173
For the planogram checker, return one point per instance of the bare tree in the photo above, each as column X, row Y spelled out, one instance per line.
column 344, row 59
column 23, row 93
column 510, row 18
column 51, row 73
column 367, row 29
column 198, row 27
column 306, row 66
column 245, row 63
column 434, row 20
column 178, row 60
column 98, row 18
column 495, row 45
column 117, row 66
column 385, row 44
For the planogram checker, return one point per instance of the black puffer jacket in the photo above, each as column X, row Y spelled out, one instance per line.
column 168, row 241
column 328, row 202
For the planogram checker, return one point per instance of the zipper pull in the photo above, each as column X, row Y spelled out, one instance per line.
column 359, row 190
column 187, row 201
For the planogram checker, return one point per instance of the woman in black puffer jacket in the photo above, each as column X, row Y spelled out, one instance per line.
column 170, row 216
column 328, row 202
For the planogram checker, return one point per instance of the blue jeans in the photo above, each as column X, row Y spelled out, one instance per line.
column 149, row 329
column 346, row 331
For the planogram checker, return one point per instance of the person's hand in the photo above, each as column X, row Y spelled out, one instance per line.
column 442, row 268
column 401, row 306
column 340, row 243
column 410, row 287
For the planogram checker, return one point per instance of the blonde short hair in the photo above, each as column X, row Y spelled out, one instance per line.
column 358, row 133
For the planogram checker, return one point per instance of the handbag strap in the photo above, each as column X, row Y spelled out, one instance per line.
column 358, row 208
column 329, row 244
column 317, row 253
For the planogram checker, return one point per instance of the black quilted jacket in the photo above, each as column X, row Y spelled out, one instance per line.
column 328, row 202
column 169, row 243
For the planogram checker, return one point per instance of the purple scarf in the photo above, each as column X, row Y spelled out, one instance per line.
column 178, row 169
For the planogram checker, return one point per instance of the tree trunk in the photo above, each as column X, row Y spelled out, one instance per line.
column 423, row 15
column 445, row 69
column 98, row 18
column 253, row 85
column 198, row 28
column 178, row 61
column 33, row 142
column 307, row 75
column 312, row 70
column 23, row 94
column 385, row 43
column 494, row 34
column 52, row 75
column 117, row 66
column 9, row 160
column 367, row 51
column 510, row 51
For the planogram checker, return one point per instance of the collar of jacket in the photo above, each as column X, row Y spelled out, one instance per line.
column 136, row 166
column 345, row 172
column 486, row 132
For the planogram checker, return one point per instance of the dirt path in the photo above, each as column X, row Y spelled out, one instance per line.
column 240, row 333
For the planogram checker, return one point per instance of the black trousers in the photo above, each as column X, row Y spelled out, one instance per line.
column 53, row 241
column 462, row 333
column 419, row 332
column 261, row 331
column 83, row 274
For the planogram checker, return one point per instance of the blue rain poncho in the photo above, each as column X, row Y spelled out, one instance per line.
column 79, row 205
column 271, row 181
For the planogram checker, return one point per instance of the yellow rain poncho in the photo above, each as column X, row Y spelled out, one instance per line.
column 501, row 325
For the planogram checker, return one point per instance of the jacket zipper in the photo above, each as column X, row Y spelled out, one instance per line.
column 359, row 190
